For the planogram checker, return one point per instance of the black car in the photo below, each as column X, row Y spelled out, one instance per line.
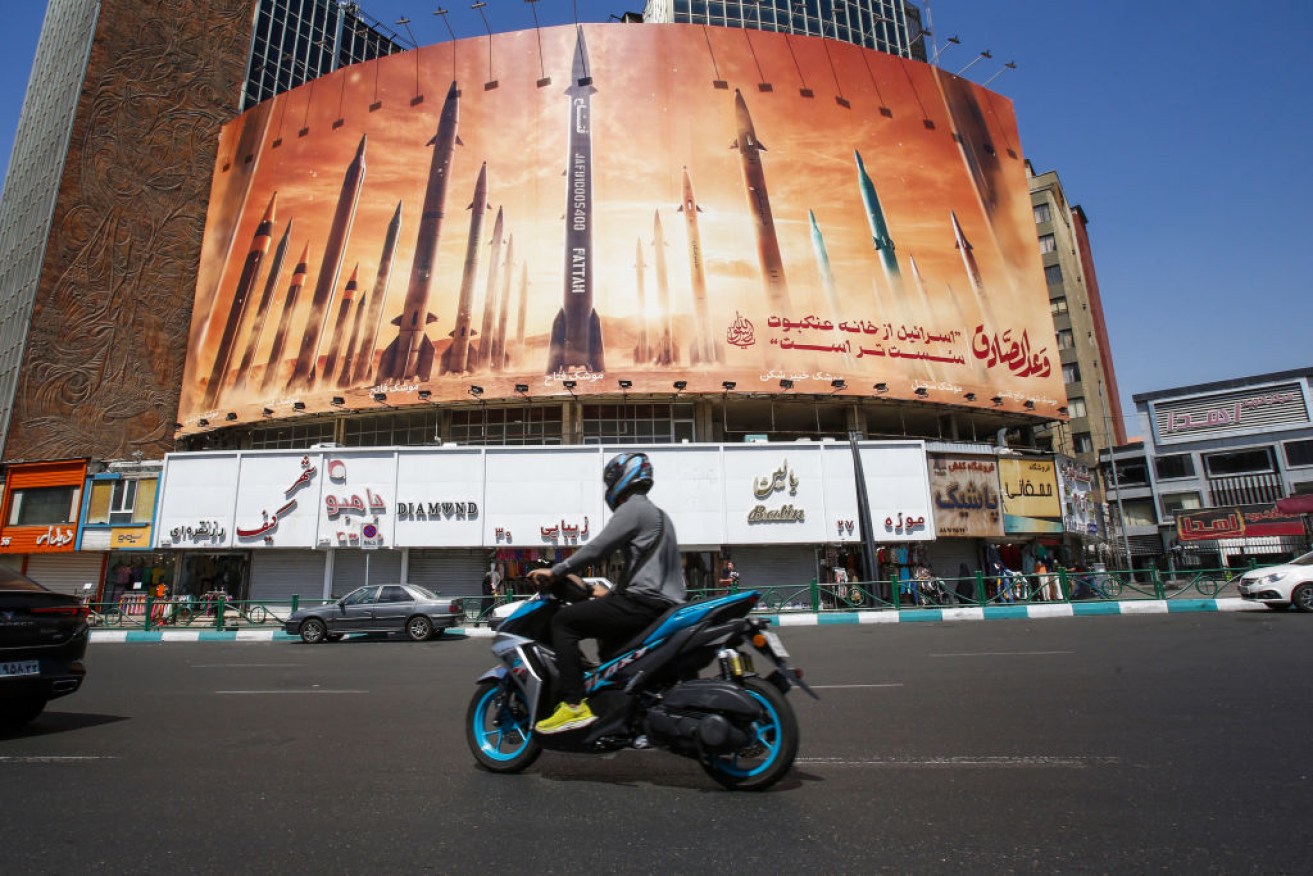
column 43, row 636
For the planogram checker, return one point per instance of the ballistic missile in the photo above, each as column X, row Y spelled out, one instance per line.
column 642, row 352
column 823, row 266
column 884, row 244
column 754, row 180
column 307, row 361
column 576, row 339
column 364, row 366
column 339, row 335
column 455, row 359
column 482, row 355
column 666, row 354
column 274, row 363
column 411, row 354
column 353, row 347
column 503, row 304
column 245, row 283
column 702, row 350
column 262, row 309
column 524, row 308
column 968, row 257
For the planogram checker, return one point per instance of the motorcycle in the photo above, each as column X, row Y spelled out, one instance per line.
column 648, row 692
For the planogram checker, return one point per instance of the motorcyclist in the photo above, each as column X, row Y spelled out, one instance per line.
column 650, row 583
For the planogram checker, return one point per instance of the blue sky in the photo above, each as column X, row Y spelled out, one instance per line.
column 1183, row 129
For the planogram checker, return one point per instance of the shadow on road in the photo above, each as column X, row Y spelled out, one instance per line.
column 50, row 723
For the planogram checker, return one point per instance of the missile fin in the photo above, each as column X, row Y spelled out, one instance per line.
column 556, row 348
column 595, row 356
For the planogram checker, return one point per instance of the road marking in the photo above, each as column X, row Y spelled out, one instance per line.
column 1003, row 654
column 291, row 691
column 839, row 686
column 246, row 665
column 965, row 760
column 68, row 758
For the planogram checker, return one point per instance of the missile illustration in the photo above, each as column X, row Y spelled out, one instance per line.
column 411, row 354
column 245, row 283
column 338, row 338
column 884, row 244
column 455, row 359
column 576, row 339
column 754, row 180
column 262, row 309
column 483, row 352
column 968, row 257
column 307, row 361
column 642, row 351
column 503, row 304
column 353, row 347
column 524, row 308
column 703, row 349
column 666, row 352
column 823, row 266
column 274, row 363
column 364, row 366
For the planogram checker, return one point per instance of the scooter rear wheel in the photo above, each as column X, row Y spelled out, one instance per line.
column 499, row 729
column 770, row 755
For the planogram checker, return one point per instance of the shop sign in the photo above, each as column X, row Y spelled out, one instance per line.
column 1031, row 501
column 564, row 532
column 783, row 479
column 127, row 538
column 1079, row 512
column 437, row 511
column 966, row 497
column 1188, row 419
column 269, row 521
column 1243, row 521
column 355, row 519
column 201, row 531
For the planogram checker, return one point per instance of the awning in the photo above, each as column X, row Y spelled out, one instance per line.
column 1302, row 504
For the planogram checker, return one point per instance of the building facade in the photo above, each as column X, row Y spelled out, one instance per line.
column 1201, row 488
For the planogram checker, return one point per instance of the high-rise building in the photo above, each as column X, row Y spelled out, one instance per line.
column 892, row 26
column 1093, row 403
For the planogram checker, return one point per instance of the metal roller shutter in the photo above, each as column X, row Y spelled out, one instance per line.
column 449, row 572
column 947, row 554
column 349, row 569
column 66, row 573
column 278, row 575
column 774, row 565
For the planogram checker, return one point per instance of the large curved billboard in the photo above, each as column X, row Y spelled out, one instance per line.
column 638, row 203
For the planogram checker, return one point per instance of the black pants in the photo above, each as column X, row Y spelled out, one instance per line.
column 612, row 620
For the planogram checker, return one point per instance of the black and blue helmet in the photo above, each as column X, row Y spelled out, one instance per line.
column 625, row 474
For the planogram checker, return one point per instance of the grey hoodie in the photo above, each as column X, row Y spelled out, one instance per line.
column 636, row 524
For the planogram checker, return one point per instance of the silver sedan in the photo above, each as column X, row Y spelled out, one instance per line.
column 378, row 608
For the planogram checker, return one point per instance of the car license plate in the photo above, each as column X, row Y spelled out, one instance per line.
column 775, row 644
column 14, row 668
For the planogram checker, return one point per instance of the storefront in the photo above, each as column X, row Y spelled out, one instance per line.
column 41, row 513
column 272, row 524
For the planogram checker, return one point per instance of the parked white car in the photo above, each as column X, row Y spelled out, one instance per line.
column 1279, row 587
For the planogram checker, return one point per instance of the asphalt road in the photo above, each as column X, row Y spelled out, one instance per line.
column 1119, row 745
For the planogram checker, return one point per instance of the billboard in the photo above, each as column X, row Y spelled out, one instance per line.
column 631, row 202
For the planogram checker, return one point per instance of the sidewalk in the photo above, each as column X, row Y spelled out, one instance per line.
column 785, row 619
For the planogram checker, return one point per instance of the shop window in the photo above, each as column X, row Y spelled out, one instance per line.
column 1240, row 462
column 1299, row 453
column 1180, row 465
column 1176, row 502
column 44, row 506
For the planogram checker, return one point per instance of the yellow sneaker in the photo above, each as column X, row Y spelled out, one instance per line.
column 566, row 717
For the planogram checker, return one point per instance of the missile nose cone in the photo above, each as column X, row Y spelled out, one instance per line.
column 360, row 150
column 269, row 210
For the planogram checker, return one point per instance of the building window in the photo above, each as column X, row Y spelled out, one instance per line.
column 1299, row 453
column 122, row 501
column 1180, row 465
column 1058, row 305
column 535, row 424
column 392, row 430
column 1075, row 406
column 1043, row 214
column 1139, row 512
column 1047, row 243
column 1071, row 373
column 44, row 506
column 1130, row 473
column 1065, row 339
column 1083, row 442
column 638, row 424
column 1053, row 275
column 1176, row 502
column 291, row 436
column 1240, row 462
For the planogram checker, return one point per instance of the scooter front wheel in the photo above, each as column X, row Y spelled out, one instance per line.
column 499, row 729
column 766, row 759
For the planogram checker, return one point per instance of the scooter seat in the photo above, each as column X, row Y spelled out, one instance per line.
column 612, row 653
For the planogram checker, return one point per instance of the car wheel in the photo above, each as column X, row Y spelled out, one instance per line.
column 419, row 628
column 1302, row 598
column 313, row 631
column 16, row 713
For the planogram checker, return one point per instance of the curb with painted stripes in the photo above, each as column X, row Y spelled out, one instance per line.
column 788, row 619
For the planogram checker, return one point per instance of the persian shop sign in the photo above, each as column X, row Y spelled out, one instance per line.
column 1031, row 501
column 1243, row 521
column 1192, row 418
column 781, row 480
column 966, row 496
column 673, row 258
